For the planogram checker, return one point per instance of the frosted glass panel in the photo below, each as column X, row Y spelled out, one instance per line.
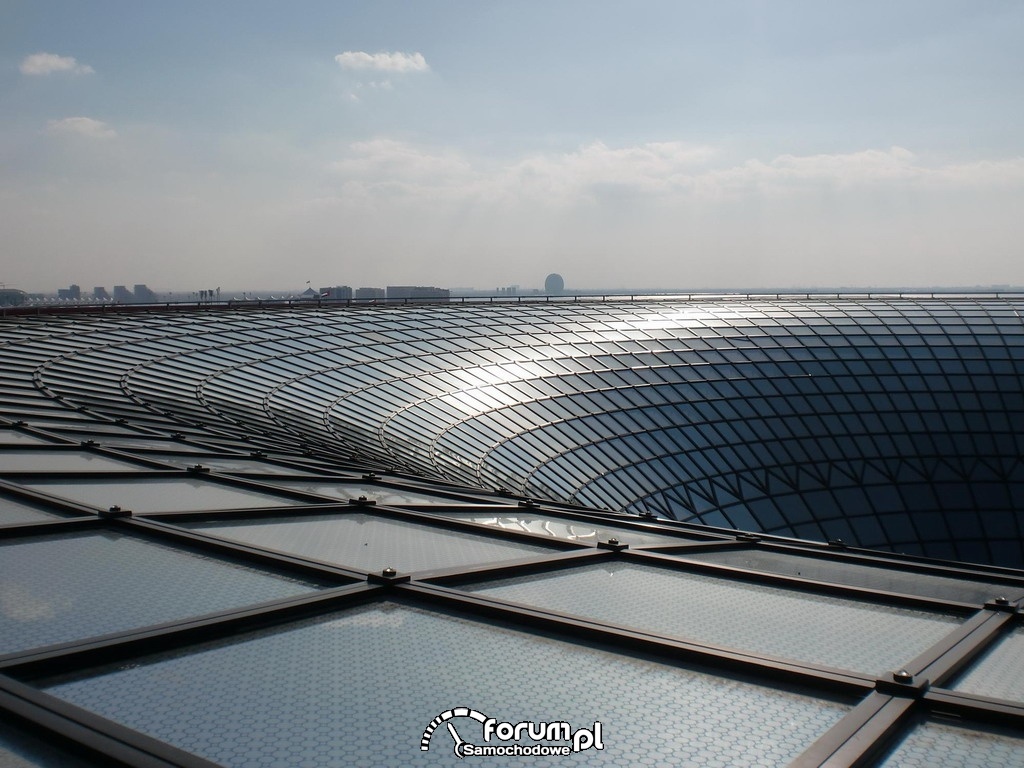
column 999, row 673
column 20, row 749
column 16, row 512
column 934, row 744
column 358, row 688
column 62, row 588
column 61, row 461
column 372, row 543
column 818, row 629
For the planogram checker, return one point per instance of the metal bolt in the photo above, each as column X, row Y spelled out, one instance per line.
column 1002, row 601
column 903, row 677
column 389, row 572
column 613, row 542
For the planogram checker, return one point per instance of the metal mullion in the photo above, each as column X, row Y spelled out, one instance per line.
column 947, row 657
column 181, row 633
column 102, row 740
column 798, row 583
column 974, row 707
column 623, row 637
column 859, row 735
column 246, row 553
column 508, row 569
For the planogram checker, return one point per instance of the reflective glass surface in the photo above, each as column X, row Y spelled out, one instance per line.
column 566, row 528
column 15, row 512
column 12, row 437
column 179, row 494
column 942, row 743
column 61, row 461
column 56, row 589
column 999, row 673
column 887, row 579
column 328, row 692
column 371, row 543
column 21, row 749
column 824, row 630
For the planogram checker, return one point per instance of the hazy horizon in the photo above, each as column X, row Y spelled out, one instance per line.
column 477, row 144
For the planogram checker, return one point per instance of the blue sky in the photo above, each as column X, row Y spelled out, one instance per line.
column 654, row 144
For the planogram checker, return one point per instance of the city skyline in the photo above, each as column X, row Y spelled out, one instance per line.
column 790, row 145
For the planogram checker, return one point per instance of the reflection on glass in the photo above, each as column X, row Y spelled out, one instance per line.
column 941, row 743
column 371, row 543
column 567, row 528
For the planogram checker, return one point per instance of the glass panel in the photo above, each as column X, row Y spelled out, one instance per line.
column 938, row 743
column 819, row 629
column 999, row 673
column 378, row 493
column 21, row 749
column 886, row 579
column 108, row 583
column 17, row 512
column 182, row 494
column 371, row 543
column 567, row 528
column 324, row 691
column 61, row 461
column 9, row 436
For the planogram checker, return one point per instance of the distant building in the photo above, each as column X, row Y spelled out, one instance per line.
column 12, row 297
column 370, row 293
column 73, row 293
column 122, row 294
column 510, row 290
column 336, row 293
column 554, row 284
column 143, row 294
column 417, row 292
column 100, row 293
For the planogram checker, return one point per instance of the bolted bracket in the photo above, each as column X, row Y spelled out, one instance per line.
column 902, row 683
column 1001, row 604
column 196, row 469
column 613, row 544
column 362, row 501
column 387, row 576
column 115, row 512
column 750, row 537
column 529, row 504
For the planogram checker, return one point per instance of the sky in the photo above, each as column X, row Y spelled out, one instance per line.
column 465, row 143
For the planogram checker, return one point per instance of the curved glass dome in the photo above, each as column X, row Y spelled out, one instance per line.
column 886, row 422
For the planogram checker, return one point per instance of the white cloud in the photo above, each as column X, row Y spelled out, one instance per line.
column 383, row 62
column 48, row 63
column 80, row 126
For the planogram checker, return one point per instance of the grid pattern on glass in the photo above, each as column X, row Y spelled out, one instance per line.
column 370, row 543
column 56, row 589
column 61, row 461
column 999, row 673
column 379, row 493
column 180, row 494
column 936, row 743
column 221, row 463
column 817, row 629
column 327, row 692
column 877, row 577
column 580, row 531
